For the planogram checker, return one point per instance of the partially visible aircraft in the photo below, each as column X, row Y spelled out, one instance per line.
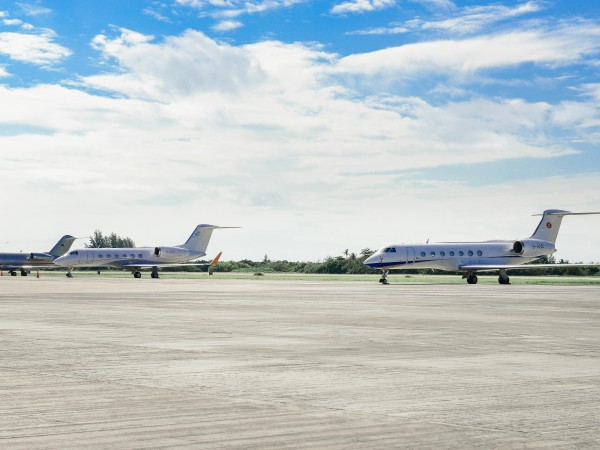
column 138, row 258
column 27, row 261
column 472, row 257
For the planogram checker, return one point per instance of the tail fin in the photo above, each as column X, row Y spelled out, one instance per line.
column 548, row 227
column 215, row 261
column 62, row 246
column 198, row 241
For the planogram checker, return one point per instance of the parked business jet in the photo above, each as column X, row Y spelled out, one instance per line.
column 27, row 261
column 473, row 257
column 138, row 258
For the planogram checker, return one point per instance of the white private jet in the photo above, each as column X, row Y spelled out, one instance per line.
column 138, row 258
column 473, row 257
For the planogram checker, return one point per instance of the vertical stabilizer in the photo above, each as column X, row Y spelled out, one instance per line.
column 198, row 240
column 62, row 246
column 547, row 229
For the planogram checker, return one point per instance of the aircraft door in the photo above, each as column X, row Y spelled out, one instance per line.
column 89, row 256
column 410, row 255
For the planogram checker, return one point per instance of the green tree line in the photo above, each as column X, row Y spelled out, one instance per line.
column 99, row 240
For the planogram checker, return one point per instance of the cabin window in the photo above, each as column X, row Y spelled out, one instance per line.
column 140, row 255
column 431, row 253
column 470, row 253
column 99, row 256
column 479, row 253
column 451, row 253
column 442, row 253
column 423, row 254
column 109, row 255
column 461, row 253
column 132, row 256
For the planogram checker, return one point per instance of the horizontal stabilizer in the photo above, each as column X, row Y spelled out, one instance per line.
column 567, row 213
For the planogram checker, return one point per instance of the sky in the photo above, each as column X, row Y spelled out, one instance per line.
column 316, row 126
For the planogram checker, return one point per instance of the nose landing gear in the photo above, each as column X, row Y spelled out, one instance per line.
column 383, row 279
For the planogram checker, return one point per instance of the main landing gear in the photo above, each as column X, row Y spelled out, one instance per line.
column 153, row 274
column 69, row 273
column 471, row 278
column 383, row 279
column 503, row 278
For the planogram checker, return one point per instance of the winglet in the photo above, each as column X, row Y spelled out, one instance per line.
column 216, row 260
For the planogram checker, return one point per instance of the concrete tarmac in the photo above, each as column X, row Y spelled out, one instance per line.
column 261, row 364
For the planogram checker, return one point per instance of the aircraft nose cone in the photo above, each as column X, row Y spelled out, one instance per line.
column 59, row 261
column 371, row 259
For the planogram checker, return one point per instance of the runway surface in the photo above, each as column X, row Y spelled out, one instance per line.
column 213, row 363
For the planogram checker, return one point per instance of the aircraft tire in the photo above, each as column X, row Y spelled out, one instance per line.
column 137, row 274
column 472, row 279
column 503, row 280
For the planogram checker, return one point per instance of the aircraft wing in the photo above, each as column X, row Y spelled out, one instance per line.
column 492, row 267
column 26, row 267
column 140, row 266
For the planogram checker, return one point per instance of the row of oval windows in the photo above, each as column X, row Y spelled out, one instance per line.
column 451, row 253
column 124, row 256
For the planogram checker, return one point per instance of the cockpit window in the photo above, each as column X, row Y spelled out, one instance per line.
column 74, row 253
column 393, row 250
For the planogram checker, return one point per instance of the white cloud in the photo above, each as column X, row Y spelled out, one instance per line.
column 437, row 4
column 475, row 18
column 263, row 136
column 468, row 20
column 227, row 25
column 3, row 72
column 156, row 15
column 178, row 67
column 394, row 29
column 33, row 10
column 360, row 6
column 32, row 48
column 236, row 8
column 560, row 46
column 10, row 22
column 592, row 89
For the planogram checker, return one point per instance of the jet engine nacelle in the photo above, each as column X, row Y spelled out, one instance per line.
column 41, row 257
column 533, row 247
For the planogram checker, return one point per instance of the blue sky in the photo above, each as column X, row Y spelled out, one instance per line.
column 317, row 126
